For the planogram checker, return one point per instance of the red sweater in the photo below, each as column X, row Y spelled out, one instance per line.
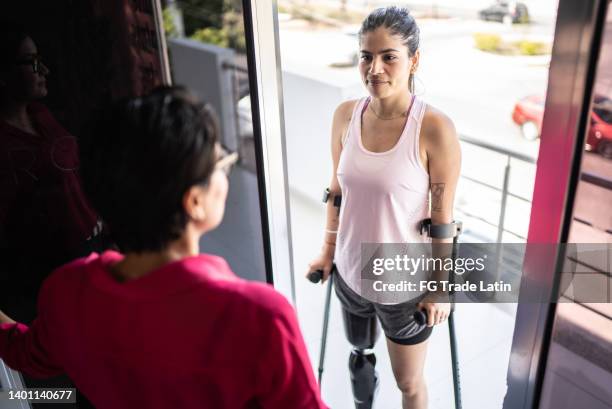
column 189, row 334
column 42, row 205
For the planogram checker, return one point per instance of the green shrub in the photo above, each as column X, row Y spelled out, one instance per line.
column 233, row 26
column 283, row 9
column 531, row 47
column 303, row 13
column 487, row 42
column 524, row 19
column 210, row 35
column 169, row 27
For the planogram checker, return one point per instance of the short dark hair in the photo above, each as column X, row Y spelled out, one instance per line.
column 12, row 35
column 139, row 157
column 398, row 21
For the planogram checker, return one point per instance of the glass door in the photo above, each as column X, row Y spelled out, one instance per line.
column 579, row 360
column 488, row 67
column 553, row 283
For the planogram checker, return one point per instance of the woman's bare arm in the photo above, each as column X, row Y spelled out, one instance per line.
column 444, row 163
column 341, row 120
column 5, row 319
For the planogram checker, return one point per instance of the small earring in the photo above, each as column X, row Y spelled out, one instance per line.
column 199, row 215
column 421, row 87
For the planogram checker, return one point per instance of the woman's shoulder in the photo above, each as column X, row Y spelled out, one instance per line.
column 45, row 119
column 344, row 111
column 436, row 127
column 346, row 108
column 40, row 111
column 214, row 273
column 264, row 297
column 434, row 118
column 67, row 277
column 342, row 118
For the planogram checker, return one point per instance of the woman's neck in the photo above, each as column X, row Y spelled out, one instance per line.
column 136, row 265
column 16, row 114
column 393, row 105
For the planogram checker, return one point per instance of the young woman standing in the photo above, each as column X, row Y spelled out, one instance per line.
column 396, row 161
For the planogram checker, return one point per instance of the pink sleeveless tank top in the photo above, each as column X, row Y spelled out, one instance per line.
column 384, row 195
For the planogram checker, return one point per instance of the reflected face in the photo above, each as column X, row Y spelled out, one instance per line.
column 384, row 63
column 28, row 81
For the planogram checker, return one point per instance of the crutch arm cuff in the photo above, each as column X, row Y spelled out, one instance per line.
column 441, row 231
column 337, row 199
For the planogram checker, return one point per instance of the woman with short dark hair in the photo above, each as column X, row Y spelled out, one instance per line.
column 159, row 325
column 45, row 219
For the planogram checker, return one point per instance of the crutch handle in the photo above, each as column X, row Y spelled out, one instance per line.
column 420, row 317
column 315, row 276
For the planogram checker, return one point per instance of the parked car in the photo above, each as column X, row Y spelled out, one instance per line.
column 599, row 138
column 529, row 112
column 507, row 12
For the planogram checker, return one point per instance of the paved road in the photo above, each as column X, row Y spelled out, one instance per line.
column 541, row 11
column 478, row 90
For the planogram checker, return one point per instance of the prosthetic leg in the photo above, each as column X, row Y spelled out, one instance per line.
column 362, row 333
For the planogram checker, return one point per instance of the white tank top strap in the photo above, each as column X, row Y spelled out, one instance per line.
column 418, row 113
column 354, row 117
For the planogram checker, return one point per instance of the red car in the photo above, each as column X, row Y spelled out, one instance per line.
column 529, row 111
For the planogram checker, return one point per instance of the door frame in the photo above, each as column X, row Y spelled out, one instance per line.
column 265, row 80
column 571, row 79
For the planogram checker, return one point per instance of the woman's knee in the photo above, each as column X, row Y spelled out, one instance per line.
column 412, row 386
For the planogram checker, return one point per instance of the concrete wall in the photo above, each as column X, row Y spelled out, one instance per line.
column 309, row 105
column 200, row 67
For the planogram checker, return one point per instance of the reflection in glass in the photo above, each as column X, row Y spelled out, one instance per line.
column 53, row 77
column 580, row 344
column 45, row 219
column 592, row 214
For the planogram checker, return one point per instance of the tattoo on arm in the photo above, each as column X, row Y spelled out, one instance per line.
column 437, row 194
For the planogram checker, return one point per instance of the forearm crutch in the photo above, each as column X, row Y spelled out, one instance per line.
column 446, row 231
column 315, row 277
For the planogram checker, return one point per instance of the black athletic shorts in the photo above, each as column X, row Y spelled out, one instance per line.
column 396, row 320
